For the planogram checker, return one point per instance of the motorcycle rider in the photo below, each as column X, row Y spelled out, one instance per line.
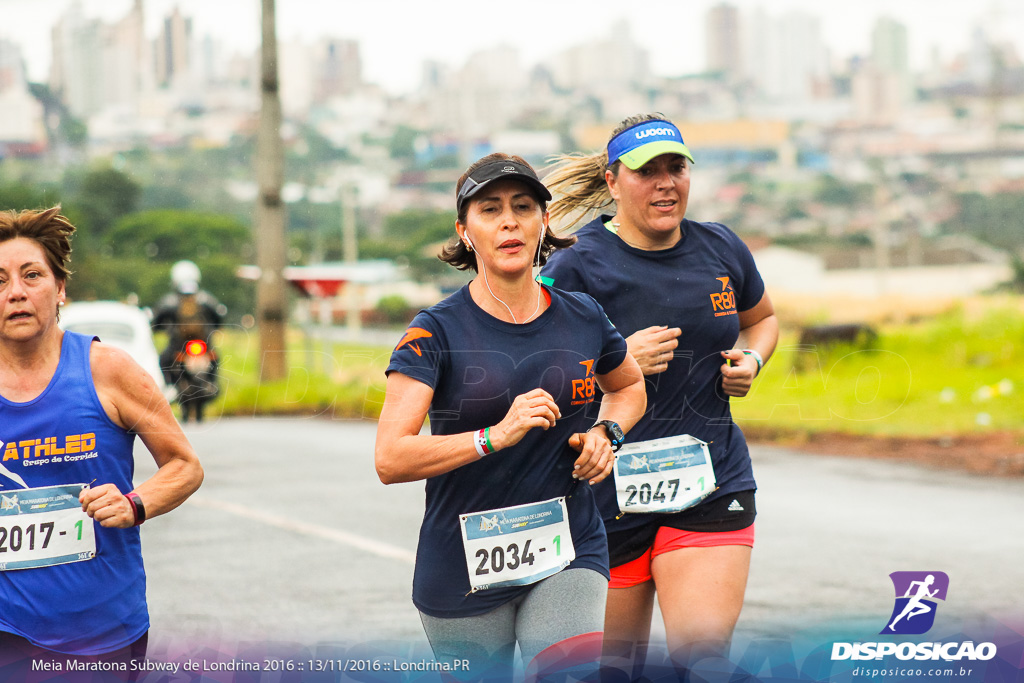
column 185, row 314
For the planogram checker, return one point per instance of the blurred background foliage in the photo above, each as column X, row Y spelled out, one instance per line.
column 144, row 208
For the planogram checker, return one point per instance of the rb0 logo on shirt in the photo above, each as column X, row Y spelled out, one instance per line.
column 583, row 389
column 723, row 301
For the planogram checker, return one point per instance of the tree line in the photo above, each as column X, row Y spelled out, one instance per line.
column 120, row 249
column 133, row 226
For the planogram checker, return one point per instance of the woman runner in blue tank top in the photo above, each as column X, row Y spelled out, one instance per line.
column 511, row 549
column 71, row 573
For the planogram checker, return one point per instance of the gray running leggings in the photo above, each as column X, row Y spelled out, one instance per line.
column 568, row 604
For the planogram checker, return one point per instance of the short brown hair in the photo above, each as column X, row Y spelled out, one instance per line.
column 455, row 252
column 48, row 228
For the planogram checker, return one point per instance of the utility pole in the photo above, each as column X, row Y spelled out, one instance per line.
column 885, row 211
column 350, row 253
column 271, row 301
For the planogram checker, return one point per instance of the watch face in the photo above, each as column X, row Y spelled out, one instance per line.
column 614, row 431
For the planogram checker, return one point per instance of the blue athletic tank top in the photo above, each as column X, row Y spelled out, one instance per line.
column 63, row 436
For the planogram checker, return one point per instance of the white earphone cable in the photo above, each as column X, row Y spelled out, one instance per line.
column 540, row 289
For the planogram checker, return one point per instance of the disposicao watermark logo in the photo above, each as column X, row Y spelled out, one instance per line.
column 913, row 614
column 916, row 595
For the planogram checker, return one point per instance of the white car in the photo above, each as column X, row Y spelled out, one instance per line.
column 120, row 325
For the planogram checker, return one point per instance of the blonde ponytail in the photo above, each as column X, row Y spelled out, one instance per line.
column 577, row 183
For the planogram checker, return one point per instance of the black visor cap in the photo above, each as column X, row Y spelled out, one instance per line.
column 499, row 170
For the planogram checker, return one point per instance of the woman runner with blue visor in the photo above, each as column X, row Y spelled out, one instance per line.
column 512, row 549
column 687, row 296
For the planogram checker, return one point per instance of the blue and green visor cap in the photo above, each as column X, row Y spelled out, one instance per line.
column 638, row 144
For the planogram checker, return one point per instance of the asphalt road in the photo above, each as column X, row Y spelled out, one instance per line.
column 292, row 538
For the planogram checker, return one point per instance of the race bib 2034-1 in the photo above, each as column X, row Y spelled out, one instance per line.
column 517, row 546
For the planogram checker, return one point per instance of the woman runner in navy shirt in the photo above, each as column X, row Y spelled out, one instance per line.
column 682, row 293
column 512, row 548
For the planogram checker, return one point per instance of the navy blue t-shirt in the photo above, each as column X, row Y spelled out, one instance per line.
column 698, row 285
column 477, row 365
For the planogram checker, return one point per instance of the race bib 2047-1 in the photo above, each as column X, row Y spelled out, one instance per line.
column 663, row 475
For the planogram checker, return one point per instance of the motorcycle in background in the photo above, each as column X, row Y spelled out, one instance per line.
column 197, row 381
column 189, row 316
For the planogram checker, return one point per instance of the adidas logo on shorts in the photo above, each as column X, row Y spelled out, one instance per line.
column 735, row 506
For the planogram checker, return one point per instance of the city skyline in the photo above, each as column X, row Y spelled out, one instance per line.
column 393, row 53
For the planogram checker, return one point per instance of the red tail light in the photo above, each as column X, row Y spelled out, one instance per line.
column 195, row 347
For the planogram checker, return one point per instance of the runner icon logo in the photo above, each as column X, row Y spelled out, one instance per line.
column 916, row 593
column 489, row 524
column 639, row 464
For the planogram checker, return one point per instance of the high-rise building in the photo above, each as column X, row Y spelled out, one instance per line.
column 497, row 67
column 126, row 72
column 174, row 50
column 878, row 95
column 77, row 64
column 295, row 66
column 313, row 74
column 12, row 70
column 21, row 114
column 889, row 45
column 890, row 53
column 338, row 68
column 722, row 39
column 484, row 95
column 615, row 62
column 785, row 55
column 97, row 65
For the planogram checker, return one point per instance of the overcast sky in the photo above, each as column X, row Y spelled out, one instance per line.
column 397, row 35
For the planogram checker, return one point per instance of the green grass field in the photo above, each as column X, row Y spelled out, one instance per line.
column 950, row 374
column 946, row 375
column 339, row 381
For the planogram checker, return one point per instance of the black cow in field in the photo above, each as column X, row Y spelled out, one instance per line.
column 817, row 341
column 852, row 334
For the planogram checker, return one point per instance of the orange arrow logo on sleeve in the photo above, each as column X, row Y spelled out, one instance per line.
column 411, row 335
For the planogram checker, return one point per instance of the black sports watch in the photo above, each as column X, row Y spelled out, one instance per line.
column 137, row 507
column 615, row 434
